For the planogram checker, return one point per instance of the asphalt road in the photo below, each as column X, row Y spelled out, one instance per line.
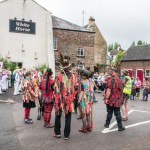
column 15, row 135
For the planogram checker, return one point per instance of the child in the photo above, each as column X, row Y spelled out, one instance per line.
column 37, row 91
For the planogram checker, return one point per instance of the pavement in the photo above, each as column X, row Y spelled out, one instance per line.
column 15, row 135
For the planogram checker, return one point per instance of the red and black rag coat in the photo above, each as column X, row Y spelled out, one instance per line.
column 47, row 95
column 114, row 84
column 64, row 92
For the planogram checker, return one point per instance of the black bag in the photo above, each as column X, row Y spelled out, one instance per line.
column 148, row 90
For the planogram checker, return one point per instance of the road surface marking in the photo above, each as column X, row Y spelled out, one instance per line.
column 107, row 130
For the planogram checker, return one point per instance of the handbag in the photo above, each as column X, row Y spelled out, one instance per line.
column 148, row 90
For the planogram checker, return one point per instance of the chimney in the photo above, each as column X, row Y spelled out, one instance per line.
column 92, row 23
column 91, row 20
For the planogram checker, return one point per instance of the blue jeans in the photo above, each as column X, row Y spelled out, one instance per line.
column 94, row 97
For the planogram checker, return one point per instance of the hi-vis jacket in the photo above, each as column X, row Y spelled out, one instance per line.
column 128, row 85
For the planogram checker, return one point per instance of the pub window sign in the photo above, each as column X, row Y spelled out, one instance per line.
column 22, row 26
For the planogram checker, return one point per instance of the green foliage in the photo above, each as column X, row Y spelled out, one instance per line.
column 116, row 45
column 139, row 42
column 144, row 43
column 133, row 43
column 119, row 56
column 112, row 46
column 41, row 67
column 7, row 63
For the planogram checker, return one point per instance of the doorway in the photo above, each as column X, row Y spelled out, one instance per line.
column 139, row 73
column 19, row 64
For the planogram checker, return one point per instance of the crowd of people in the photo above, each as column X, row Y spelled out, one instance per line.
column 72, row 90
column 5, row 80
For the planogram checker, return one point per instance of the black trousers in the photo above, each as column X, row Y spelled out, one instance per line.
column 117, row 113
column 75, row 104
column 67, row 128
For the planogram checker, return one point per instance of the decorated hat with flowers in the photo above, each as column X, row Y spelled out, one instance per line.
column 49, row 71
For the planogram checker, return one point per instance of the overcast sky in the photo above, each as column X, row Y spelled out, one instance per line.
column 122, row 21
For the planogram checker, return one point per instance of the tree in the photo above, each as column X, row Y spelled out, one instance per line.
column 119, row 56
column 110, row 47
column 113, row 46
column 139, row 42
column 133, row 43
column 7, row 63
column 144, row 43
column 116, row 45
column 41, row 67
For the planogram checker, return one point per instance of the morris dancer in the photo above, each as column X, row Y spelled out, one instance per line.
column 113, row 98
column 37, row 91
column 28, row 96
column 64, row 96
column 85, row 101
column 4, row 80
column 16, row 82
column 48, row 97
column 10, row 74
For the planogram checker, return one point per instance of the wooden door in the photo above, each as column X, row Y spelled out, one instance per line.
column 140, row 74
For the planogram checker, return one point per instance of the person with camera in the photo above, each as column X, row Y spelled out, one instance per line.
column 47, row 89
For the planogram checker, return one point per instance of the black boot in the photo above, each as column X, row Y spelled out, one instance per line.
column 38, row 117
column 106, row 125
column 121, row 129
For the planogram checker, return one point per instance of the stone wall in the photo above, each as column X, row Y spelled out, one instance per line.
column 100, row 43
column 69, row 41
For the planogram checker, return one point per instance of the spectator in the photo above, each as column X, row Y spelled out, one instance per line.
column 145, row 89
column 138, row 85
column 133, row 91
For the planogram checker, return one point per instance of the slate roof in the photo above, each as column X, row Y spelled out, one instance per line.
column 137, row 53
column 113, row 52
column 59, row 23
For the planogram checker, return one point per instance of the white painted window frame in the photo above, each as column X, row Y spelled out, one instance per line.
column 80, row 51
column 55, row 43
column 149, row 73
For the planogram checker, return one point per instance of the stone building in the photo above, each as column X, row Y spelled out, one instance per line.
column 100, row 43
column 137, row 61
column 77, row 42
column 26, row 33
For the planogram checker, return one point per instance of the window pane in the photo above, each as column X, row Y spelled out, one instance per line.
column 147, row 73
column 80, row 52
column 55, row 43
